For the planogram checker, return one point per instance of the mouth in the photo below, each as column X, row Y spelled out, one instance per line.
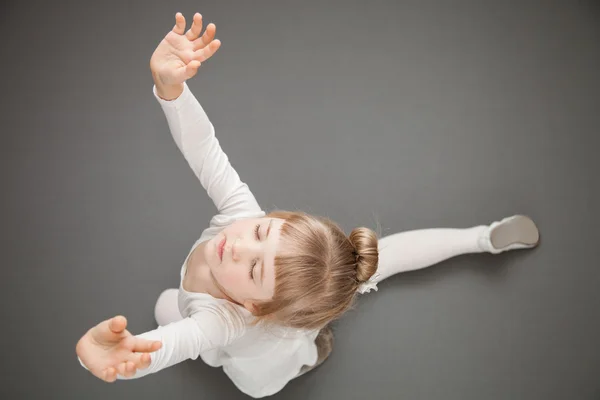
column 221, row 248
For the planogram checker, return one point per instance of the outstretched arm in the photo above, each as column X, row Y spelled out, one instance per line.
column 175, row 60
column 110, row 352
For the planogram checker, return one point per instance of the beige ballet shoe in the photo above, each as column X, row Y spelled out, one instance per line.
column 512, row 233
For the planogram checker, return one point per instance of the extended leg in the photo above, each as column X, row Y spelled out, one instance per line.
column 411, row 250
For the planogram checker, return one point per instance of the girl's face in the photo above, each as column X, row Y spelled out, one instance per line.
column 246, row 270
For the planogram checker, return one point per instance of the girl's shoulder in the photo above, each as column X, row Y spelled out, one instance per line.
column 202, row 303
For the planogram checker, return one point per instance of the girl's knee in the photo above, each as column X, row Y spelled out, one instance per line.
column 166, row 309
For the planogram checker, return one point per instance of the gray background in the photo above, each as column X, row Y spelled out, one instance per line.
column 412, row 114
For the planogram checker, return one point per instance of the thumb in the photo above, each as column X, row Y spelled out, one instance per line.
column 117, row 324
column 185, row 72
column 191, row 69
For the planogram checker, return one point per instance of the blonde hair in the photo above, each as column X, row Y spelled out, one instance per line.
column 317, row 270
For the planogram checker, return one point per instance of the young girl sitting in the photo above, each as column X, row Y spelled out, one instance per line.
column 257, row 290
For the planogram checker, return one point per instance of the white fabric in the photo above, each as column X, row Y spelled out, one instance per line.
column 412, row 250
column 260, row 362
column 370, row 284
column 166, row 309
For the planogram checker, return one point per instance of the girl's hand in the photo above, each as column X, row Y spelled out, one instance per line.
column 179, row 55
column 108, row 349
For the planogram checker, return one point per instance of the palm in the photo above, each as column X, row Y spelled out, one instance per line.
column 104, row 350
column 178, row 55
column 108, row 349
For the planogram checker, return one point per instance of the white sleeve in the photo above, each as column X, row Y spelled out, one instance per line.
column 212, row 327
column 195, row 137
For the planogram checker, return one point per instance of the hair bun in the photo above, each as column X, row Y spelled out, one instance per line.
column 365, row 242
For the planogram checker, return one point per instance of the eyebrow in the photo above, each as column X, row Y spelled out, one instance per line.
column 262, row 267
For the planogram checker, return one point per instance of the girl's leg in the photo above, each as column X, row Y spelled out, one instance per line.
column 411, row 250
column 324, row 342
column 166, row 309
column 407, row 251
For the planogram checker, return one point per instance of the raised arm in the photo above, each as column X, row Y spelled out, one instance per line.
column 195, row 137
column 175, row 60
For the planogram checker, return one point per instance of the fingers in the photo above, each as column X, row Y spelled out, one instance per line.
column 109, row 375
column 117, row 324
column 209, row 35
column 179, row 27
column 126, row 369
column 196, row 27
column 190, row 70
column 141, row 360
column 137, row 361
column 145, row 346
column 144, row 361
column 208, row 51
column 130, row 367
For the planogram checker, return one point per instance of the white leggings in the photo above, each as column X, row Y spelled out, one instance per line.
column 399, row 252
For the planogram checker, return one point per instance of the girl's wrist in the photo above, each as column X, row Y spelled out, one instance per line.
column 170, row 92
column 167, row 92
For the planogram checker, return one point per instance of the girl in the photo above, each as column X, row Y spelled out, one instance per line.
column 258, row 291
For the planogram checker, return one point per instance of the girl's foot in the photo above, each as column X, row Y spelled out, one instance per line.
column 516, row 232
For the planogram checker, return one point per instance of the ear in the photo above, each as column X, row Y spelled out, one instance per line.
column 248, row 305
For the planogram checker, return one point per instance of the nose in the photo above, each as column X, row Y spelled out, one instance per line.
column 244, row 249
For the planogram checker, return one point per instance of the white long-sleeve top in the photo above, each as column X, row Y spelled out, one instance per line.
column 259, row 360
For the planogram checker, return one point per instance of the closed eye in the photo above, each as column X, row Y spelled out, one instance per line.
column 254, row 262
column 256, row 232
column 252, row 265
